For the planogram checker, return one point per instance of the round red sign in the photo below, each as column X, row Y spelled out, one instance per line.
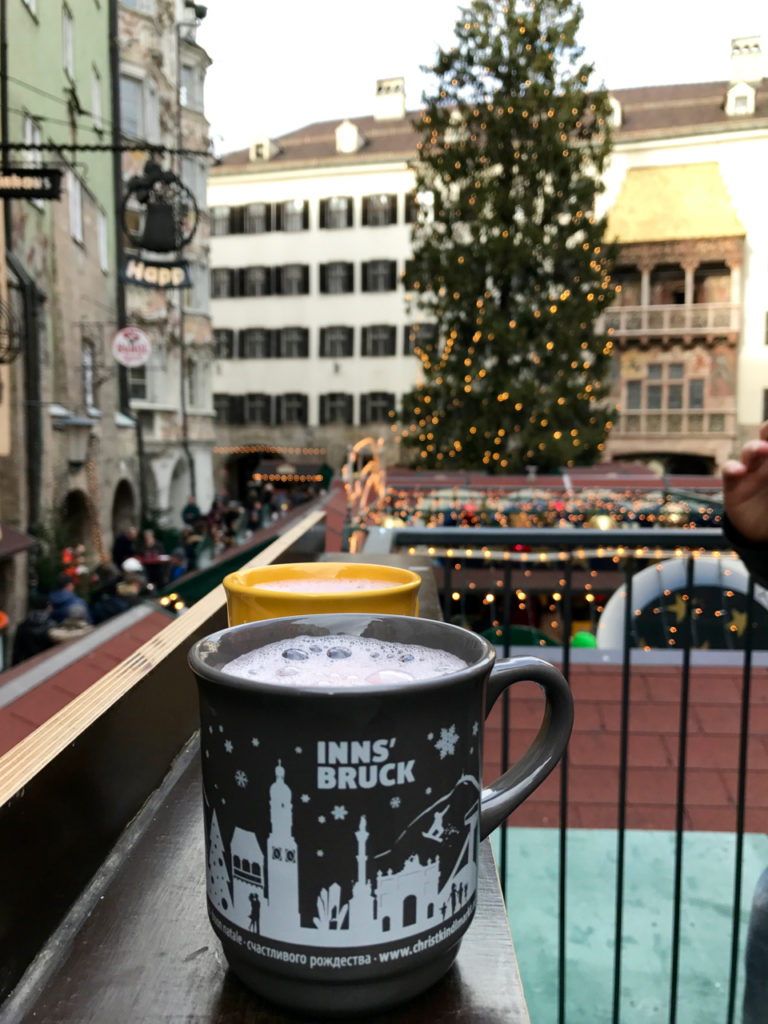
column 131, row 347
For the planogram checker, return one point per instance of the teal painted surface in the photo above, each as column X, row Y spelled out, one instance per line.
column 705, row 950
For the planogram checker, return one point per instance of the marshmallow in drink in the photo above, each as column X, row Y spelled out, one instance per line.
column 342, row 661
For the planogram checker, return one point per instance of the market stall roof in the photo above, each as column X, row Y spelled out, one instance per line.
column 12, row 541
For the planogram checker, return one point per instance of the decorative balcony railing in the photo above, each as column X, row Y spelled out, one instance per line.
column 658, row 321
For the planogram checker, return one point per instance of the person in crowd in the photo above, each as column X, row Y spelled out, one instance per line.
column 125, row 545
column 33, row 632
column 178, row 563
column 75, row 625
column 191, row 513
column 133, row 585
column 150, row 545
column 64, row 597
column 190, row 539
column 745, row 524
column 105, row 601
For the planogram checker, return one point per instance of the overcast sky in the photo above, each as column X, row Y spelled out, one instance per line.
column 280, row 65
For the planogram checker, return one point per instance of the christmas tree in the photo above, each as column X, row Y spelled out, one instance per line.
column 509, row 261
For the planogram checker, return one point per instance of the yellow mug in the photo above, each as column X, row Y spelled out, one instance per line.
column 307, row 588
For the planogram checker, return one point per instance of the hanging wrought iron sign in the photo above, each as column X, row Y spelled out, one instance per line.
column 159, row 213
column 30, row 183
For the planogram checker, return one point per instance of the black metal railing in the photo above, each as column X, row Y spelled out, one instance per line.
column 508, row 551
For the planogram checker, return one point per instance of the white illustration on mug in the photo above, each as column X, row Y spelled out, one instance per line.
column 261, row 894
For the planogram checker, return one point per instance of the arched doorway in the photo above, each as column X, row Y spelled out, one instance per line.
column 179, row 491
column 123, row 508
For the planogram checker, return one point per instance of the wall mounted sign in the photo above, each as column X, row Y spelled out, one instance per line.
column 131, row 347
column 30, row 183
column 152, row 274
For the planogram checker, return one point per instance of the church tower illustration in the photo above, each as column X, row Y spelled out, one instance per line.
column 361, row 905
column 282, row 861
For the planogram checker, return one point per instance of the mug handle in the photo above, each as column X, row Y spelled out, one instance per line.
column 501, row 797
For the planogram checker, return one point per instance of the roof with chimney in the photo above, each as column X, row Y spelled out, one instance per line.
column 651, row 112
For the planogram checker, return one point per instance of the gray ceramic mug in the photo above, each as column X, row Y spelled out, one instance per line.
column 342, row 823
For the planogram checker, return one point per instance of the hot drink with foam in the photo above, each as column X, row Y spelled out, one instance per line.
column 320, row 585
column 343, row 661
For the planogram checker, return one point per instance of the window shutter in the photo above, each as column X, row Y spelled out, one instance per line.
column 363, row 409
column 278, row 278
column 366, row 341
column 323, row 213
column 278, row 409
column 323, row 278
column 392, row 273
column 323, row 410
column 304, row 405
column 323, row 340
column 279, row 216
column 305, row 215
column 305, row 342
column 236, row 222
column 305, row 279
column 350, row 269
column 365, row 277
column 241, row 344
column 366, row 210
column 348, row 408
column 350, row 212
column 392, row 204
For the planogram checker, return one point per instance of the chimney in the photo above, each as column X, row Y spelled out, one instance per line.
column 746, row 60
column 390, row 99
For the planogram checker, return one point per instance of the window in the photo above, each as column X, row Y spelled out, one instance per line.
column 131, row 106
column 223, row 343
column 292, row 409
column 634, row 394
column 103, row 235
column 221, row 408
column 256, row 218
column 336, row 342
column 293, row 343
column 379, row 210
column 137, row 382
column 75, row 207
column 89, row 376
column 336, row 212
column 255, row 343
column 417, row 203
column 336, row 278
column 418, row 336
column 96, row 110
column 258, row 409
column 292, row 215
column 335, row 408
column 33, row 137
column 379, row 340
column 695, row 394
column 151, row 112
column 256, row 281
column 221, row 283
column 191, row 87
column 292, row 279
column 68, row 42
column 376, row 407
column 379, row 276
column 220, row 220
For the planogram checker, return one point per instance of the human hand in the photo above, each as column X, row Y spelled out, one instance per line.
column 745, row 488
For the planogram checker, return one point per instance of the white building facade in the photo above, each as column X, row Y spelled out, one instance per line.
column 311, row 232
